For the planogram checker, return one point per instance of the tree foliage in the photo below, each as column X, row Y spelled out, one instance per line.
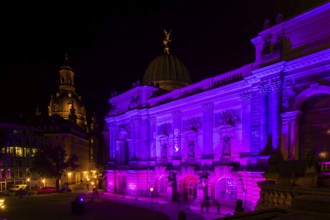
column 53, row 162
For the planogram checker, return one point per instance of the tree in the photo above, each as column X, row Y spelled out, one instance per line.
column 53, row 162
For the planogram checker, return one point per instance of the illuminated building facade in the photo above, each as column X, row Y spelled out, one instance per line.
column 18, row 145
column 212, row 139
column 65, row 125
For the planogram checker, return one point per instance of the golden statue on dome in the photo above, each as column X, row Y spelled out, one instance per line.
column 166, row 41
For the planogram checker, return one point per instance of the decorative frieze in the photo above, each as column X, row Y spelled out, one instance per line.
column 246, row 97
column 264, row 88
column 164, row 129
column 126, row 128
column 275, row 84
column 192, row 124
column 230, row 116
column 207, row 106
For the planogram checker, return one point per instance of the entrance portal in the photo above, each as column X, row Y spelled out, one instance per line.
column 190, row 188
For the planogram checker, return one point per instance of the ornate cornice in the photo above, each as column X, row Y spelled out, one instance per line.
column 246, row 96
column 316, row 58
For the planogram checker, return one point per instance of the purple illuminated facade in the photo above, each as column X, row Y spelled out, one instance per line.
column 212, row 139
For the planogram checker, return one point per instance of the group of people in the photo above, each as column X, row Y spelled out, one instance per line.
column 206, row 204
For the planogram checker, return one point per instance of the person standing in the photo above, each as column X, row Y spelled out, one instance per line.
column 207, row 204
column 218, row 207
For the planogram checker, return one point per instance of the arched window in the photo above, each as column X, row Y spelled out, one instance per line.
column 226, row 189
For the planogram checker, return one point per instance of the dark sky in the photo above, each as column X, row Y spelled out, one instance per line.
column 110, row 47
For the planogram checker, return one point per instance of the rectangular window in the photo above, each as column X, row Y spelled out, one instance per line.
column 19, row 151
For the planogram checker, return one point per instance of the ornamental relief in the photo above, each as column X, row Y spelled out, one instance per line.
column 275, row 84
column 230, row 117
column 124, row 131
column 135, row 101
column 193, row 124
column 288, row 94
column 164, row 129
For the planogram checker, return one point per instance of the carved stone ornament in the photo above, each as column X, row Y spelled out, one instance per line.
column 288, row 96
column 164, row 129
column 230, row 117
column 192, row 124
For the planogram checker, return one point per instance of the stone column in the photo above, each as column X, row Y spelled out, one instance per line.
column 246, row 121
column 264, row 90
column 207, row 130
column 275, row 112
column 144, row 151
column 112, row 141
column 136, row 137
column 152, row 137
column 290, row 135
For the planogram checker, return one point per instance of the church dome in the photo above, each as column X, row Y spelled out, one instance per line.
column 63, row 101
column 168, row 71
column 66, row 103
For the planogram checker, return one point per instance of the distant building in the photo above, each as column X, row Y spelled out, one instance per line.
column 213, row 139
column 18, row 143
column 65, row 125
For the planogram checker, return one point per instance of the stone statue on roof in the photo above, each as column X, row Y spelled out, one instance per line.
column 166, row 41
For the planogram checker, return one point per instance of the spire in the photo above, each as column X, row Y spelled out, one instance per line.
column 66, row 59
column 166, row 41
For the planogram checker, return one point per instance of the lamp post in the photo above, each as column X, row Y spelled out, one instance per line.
column 28, row 183
column 69, row 177
column 151, row 191
column 44, row 182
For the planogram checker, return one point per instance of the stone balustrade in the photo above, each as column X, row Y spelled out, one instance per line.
column 277, row 196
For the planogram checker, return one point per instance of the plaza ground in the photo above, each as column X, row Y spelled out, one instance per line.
column 101, row 207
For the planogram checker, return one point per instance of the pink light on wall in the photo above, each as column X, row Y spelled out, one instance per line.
column 132, row 186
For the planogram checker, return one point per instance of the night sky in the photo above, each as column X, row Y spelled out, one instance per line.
column 110, row 47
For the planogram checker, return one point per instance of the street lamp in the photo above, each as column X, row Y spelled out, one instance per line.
column 28, row 183
column 44, row 182
column 152, row 205
column 69, row 177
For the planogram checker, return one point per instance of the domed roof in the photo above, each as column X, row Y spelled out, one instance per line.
column 167, row 70
column 62, row 102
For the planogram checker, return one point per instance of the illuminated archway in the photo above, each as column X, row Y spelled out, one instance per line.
column 226, row 189
column 162, row 185
column 190, row 188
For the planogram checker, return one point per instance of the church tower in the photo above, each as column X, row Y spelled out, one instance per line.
column 66, row 103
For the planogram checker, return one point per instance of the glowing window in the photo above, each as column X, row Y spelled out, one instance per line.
column 19, row 151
